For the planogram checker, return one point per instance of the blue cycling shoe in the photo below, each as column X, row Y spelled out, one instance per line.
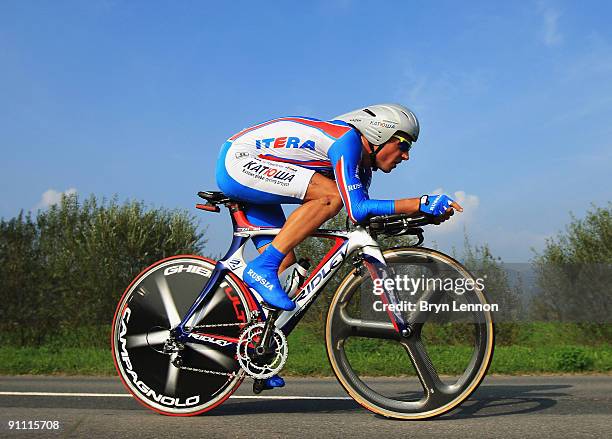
column 267, row 384
column 261, row 274
column 274, row 381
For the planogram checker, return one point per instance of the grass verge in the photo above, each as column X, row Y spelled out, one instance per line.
column 307, row 357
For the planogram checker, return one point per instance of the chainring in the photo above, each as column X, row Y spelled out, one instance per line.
column 268, row 365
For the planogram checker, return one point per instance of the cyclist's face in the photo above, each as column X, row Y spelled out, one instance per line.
column 391, row 155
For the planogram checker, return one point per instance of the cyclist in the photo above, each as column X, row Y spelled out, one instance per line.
column 295, row 160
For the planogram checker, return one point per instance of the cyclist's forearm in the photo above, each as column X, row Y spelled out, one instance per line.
column 408, row 206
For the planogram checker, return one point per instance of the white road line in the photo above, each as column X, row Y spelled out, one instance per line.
column 116, row 395
column 125, row 395
column 341, row 398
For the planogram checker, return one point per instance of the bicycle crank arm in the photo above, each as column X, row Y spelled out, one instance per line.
column 263, row 346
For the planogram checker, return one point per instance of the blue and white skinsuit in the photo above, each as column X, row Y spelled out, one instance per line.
column 272, row 163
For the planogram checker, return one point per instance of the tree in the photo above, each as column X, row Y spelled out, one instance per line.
column 69, row 266
column 481, row 262
column 497, row 286
column 574, row 273
column 21, row 279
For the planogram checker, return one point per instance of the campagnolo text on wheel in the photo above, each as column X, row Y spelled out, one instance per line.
column 188, row 329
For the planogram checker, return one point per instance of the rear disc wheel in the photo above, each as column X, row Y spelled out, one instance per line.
column 152, row 305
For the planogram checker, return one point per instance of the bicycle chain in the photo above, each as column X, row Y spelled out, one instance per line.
column 212, row 372
column 254, row 315
column 217, row 325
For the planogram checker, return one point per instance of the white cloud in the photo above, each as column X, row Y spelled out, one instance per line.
column 459, row 220
column 51, row 196
column 550, row 30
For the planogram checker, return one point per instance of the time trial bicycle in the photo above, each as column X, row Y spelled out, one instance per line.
column 187, row 330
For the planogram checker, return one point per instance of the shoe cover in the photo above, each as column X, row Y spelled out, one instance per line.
column 262, row 276
column 274, row 381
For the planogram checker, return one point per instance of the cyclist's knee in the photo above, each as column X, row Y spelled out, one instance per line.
column 337, row 204
column 332, row 204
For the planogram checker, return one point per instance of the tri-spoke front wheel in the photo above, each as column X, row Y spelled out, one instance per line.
column 433, row 368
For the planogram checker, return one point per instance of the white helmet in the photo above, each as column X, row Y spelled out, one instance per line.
column 379, row 122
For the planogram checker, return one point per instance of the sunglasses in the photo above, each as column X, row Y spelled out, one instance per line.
column 405, row 144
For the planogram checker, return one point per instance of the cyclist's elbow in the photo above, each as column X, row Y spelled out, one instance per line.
column 358, row 215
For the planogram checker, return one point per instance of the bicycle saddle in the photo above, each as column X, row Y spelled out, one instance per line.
column 214, row 197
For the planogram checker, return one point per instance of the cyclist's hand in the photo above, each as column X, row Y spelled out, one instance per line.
column 446, row 215
column 440, row 206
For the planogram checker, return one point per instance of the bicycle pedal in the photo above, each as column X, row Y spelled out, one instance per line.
column 258, row 386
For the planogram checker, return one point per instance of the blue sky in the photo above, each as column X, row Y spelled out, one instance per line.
column 135, row 99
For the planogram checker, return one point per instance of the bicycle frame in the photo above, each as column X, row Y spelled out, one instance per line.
column 345, row 244
column 202, row 370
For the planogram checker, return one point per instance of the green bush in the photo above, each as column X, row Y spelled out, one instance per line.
column 574, row 275
column 67, row 267
column 573, row 359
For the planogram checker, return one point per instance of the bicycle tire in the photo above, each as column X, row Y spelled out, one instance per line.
column 437, row 398
column 154, row 303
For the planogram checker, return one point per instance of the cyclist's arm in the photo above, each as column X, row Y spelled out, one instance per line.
column 345, row 155
column 409, row 206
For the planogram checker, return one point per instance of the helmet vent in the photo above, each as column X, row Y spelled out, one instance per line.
column 370, row 112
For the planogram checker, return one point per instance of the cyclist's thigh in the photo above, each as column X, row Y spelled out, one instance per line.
column 321, row 186
column 246, row 177
column 265, row 215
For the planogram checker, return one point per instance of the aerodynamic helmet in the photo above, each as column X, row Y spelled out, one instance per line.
column 378, row 123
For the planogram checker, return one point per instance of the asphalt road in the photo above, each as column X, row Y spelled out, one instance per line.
column 516, row 407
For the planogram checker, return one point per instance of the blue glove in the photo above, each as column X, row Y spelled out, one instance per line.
column 435, row 205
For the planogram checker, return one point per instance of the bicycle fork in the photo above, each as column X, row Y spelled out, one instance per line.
column 379, row 270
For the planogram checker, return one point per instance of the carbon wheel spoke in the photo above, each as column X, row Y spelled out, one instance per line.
column 424, row 367
column 366, row 328
column 224, row 360
column 171, row 378
column 147, row 339
column 168, row 301
column 207, row 308
column 431, row 297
